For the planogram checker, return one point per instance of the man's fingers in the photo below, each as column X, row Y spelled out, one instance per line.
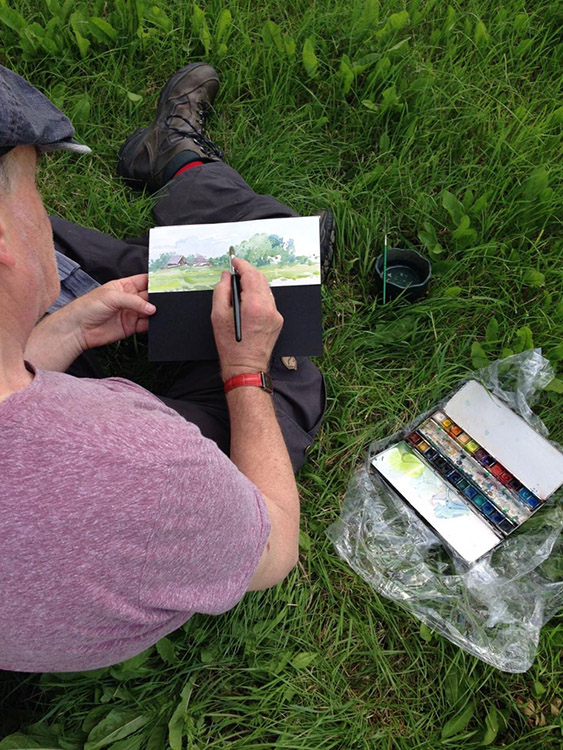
column 251, row 280
column 222, row 292
column 134, row 302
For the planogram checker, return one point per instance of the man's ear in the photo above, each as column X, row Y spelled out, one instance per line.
column 6, row 257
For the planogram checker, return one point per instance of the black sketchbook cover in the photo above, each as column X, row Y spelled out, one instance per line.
column 185, row 263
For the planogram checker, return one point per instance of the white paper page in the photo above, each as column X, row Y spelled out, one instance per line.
column 508, row 438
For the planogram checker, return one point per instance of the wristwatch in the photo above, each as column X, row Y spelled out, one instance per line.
column 257, row 379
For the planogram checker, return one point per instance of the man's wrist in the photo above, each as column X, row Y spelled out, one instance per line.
column 260, row 380
column 229, row 371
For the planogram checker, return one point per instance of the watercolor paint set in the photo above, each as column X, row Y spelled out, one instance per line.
column 474, row 470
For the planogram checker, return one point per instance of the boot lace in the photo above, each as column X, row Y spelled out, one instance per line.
column 188, row 130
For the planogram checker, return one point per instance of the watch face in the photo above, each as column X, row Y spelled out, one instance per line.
column 267, row 382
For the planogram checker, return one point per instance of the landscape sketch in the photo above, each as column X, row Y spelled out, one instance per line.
column 191, row 257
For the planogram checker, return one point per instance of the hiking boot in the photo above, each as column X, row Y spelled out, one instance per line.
column 152, row 155
column 327, row 241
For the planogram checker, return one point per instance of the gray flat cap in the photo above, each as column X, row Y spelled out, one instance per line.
column 27, row 118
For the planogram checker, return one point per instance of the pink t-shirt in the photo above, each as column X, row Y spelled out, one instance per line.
column 118, row 521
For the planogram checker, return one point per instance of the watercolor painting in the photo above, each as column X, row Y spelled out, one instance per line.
column 436, row 501
column 191, row 257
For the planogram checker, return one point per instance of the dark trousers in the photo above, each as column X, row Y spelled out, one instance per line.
column 208, row 194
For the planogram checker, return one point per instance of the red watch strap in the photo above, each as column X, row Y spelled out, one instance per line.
column 257, row 379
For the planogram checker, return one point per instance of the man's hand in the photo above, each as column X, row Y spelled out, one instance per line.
column 109, row 313
column 112, row 312
column 261, row 322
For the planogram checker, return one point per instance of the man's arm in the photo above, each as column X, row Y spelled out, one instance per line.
column 257, row 445
column 109, row 313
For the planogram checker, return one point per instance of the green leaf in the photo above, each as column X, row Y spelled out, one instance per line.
column 463, row 235
column 463, row 226
column 131, row 668
column 304, row 541
column 130, row 743
column 459, row 722
column 556, row 354
column 428, row 236
column 119, row 723
column 396, row 47
column 108, row 33
column 272, row 36
column 134, row 97
column 158, row 17
column 391, row 98
column 346, row 74
column 425, row 632
column 395, row 22
column 303, row 660
column 167, row 651
column 535, row 184
column 223, row 25
column 452, row 686
column 467, row 199
column 452, row 291
column 40, row 39
column 521, row 22
column 480, row 204
column 452, row 206
column 81, row 111
column 310, row 61
column 82, row 43
column 478, row 357
column 492, row 726
column 534, row 278
column 449, row 22
column 199, row 25
column 12, row 18
column 538, row 689
column 19, row 741
column 524, row 340
column 491, row 334
column 93, row 717
column 523, row 47
column 368, row 104
column 481, row 35
column 289, row 46
column 555, row 385
column 176, row 723
column 369, row 15
column 556, row 117
column 157, row 738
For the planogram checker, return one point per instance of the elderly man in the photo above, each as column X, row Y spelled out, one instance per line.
column 120, row 516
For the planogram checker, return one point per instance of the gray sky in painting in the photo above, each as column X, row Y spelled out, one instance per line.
column 213, row 240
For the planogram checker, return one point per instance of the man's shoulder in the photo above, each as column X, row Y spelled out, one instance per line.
column 105, row 417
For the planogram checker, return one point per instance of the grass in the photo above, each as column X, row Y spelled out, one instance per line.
column 443, row 128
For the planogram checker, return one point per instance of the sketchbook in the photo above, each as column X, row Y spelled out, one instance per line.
column 473, row 470
column 186, row 262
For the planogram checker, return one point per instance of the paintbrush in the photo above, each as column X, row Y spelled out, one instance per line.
column 235, row 293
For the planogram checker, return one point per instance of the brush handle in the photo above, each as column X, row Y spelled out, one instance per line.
column 235, row 293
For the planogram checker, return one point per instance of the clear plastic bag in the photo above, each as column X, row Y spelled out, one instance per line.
column 493, row 608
